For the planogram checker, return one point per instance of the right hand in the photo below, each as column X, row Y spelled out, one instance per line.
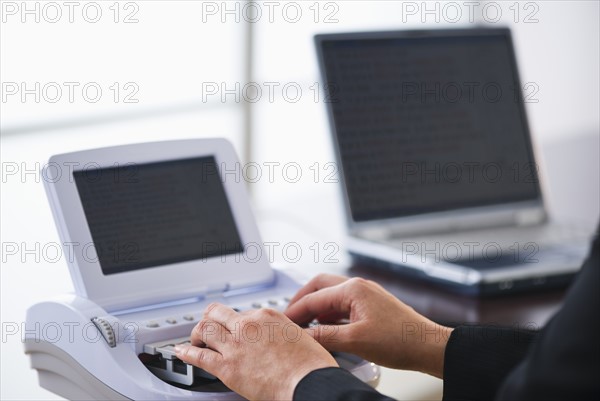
column 381, row 328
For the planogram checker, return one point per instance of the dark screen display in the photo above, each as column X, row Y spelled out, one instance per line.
column 147, row 215
column 426, row 124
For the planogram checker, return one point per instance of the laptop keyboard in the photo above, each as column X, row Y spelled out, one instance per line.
column 160, row 358
column 504, row 237
column 515, row 259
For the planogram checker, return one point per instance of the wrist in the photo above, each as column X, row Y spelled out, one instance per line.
column 434, row 352
column 303, row 371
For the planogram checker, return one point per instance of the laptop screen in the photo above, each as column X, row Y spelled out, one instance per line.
column 428, row 123
column 146, row 215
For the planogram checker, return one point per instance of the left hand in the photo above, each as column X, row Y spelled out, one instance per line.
column 260, row 354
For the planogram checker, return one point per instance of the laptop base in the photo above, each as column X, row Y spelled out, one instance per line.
column 479, row 289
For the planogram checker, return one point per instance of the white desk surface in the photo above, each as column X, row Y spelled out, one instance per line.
column 25, row 215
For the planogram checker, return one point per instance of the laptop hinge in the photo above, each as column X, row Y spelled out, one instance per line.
column 216, row 292
column 231, row 289
column 530, row 217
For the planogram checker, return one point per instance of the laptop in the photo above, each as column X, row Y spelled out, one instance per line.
column 438, row 170
column 153, row 233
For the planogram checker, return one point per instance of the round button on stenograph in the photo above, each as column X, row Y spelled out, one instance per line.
column 152, row 325
column 188, row 317
column 171, row 321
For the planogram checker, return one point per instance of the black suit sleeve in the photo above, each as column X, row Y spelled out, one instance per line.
column 331, row 384
column 477, row 360
column 561, row 362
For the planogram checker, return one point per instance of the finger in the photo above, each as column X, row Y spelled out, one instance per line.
column 317, row 283
column 222, row 314
column 325, row 301
column 204, row 358
column 209, row 333
column 331, row 317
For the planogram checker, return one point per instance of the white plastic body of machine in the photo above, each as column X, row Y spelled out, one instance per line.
column 154, row 233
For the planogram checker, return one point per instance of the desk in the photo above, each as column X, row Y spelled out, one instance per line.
column 452, row 309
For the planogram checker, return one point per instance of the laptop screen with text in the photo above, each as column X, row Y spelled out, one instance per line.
column 428, row 123
column 155, row 214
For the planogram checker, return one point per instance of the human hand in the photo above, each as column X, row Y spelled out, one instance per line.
column 381, row 328
column 259, row 354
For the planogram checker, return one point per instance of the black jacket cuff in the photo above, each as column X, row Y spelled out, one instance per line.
column 478, row 359
column 330, row 384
